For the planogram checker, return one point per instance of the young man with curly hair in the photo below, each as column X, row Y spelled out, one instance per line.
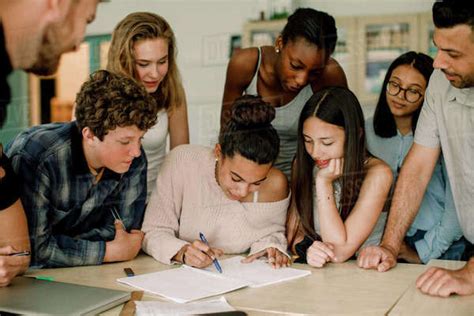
column 77, row 176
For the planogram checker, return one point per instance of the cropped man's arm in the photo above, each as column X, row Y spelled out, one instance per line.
column 410, row 188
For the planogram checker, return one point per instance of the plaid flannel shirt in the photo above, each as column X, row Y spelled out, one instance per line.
column 69, row 216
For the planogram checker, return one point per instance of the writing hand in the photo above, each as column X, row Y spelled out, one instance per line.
column 276, row 258
column 11, row 266
column 200, row 255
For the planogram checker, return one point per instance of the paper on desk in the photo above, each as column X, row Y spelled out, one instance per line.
column 186, row 283
column 183, row 284
column 152, row 308
column 258, row 273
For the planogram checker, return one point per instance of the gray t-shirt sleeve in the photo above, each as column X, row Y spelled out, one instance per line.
column 427, row 132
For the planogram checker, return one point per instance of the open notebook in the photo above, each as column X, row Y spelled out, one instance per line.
column 186, row 284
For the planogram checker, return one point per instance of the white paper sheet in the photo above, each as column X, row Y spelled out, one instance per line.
column 258, row 273
column 153, row 308
column 186, row 284
column 183, row 284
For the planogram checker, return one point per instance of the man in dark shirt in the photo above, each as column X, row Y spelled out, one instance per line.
column 33, row 35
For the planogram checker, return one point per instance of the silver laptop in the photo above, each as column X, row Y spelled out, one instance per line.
column 31, row 296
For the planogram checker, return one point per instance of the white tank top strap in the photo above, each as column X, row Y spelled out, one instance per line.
column 255, row 197
column 252, row 87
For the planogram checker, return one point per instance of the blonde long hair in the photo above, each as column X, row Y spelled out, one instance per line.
column 140, row 26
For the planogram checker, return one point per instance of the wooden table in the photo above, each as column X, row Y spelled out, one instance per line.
column 336, row 289
column 413, row 302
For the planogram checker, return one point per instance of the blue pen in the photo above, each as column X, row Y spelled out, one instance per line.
column 216, row 263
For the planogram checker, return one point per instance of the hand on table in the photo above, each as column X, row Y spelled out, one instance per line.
column 444, row 282
column 125, row 246
column 320, row 253
column 377, row 257
column 276, row 258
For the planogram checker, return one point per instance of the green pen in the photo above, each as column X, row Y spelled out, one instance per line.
column 44, row 278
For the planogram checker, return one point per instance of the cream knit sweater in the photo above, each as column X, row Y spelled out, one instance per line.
column 188, row 200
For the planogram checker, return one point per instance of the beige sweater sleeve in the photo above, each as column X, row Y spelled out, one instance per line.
column 161, row 222
column 276, row 238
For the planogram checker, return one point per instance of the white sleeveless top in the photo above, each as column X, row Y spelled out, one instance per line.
column 154, row 144
column 285, row 122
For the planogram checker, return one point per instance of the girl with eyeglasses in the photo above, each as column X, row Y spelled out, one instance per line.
column 435, row 233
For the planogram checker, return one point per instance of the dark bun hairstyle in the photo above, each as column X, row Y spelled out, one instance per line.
column 316, row 27
column 249, row 132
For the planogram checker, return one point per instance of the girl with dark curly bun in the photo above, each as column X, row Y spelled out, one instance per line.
column 232, row 194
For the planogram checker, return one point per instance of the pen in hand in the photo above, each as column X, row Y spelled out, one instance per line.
column 216, row 263
column 116, row 216
column 20, row 254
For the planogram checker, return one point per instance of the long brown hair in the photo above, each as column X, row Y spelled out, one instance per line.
column 338, row 106
column 140, row 26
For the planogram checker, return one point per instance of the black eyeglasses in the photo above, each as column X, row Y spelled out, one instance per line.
column 410, row 94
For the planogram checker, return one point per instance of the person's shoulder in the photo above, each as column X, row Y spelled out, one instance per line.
column 42, row 141
column 369, row 127
column 190, row 152
column 333, row 75
column 245, row 56
column 243, row 63
column 376, row 167
column 438, row 79
column 275, row 187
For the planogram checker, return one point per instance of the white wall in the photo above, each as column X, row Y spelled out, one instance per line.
column 206, row 25
column 199, row 26
column 366, row 7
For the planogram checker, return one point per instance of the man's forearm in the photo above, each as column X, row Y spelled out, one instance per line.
column 409, row 191
column 405, row 204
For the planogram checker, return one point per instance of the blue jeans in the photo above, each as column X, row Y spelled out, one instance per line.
column 454, row 252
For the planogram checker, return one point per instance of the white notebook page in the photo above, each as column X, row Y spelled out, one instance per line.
column 183, row 284
column 258, row 273
column 186, row 283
